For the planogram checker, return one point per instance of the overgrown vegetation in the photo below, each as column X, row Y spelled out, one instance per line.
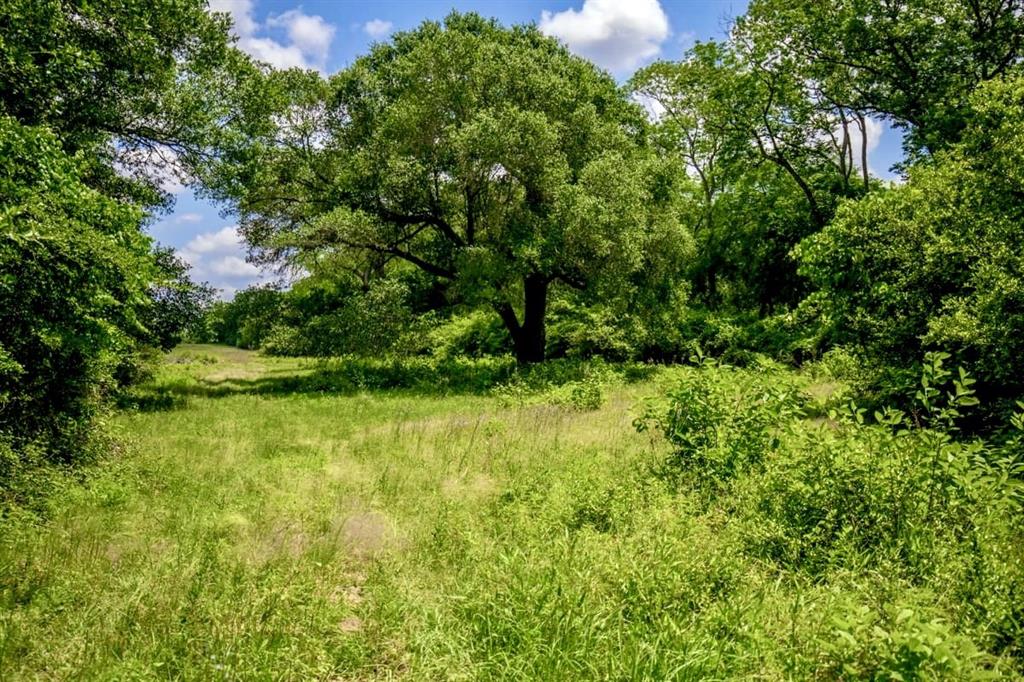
column 275, row 520
column 743, row 218
column 89, row 92
column 576, row 380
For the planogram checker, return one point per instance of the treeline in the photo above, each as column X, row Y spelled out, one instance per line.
column 465, row 178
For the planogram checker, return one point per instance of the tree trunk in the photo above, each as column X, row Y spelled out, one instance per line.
column 862, row 123
column 530, row 336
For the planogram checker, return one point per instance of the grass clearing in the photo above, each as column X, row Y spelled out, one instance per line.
column 255, row 534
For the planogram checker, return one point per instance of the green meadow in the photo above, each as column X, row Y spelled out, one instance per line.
column 255, row 524
column 514, row 341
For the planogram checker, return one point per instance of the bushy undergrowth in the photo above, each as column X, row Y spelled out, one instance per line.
column 901, row 504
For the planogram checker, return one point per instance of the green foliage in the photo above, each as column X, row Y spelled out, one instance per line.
column 177, row 303
column 721, row 422
column 572, row 383
column 901, row 497
column 372, row 323
column 75, row 274
column 489, row 158
column 944, row 269
column 98, row 103
column 770, row 156
column 467, row 200
column 418, row 374
column 245, row 321
column 915, row 62
column 285, row 341
column 129, row 82
column 432, row 529
column 474, row 334
column 594, row 331
column 897, row 642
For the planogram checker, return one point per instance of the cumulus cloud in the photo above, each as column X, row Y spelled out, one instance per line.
column 233, row 266
column 225, row 240
column 219, row 258
column 615, row 35
column 309, row 36
column 377, row 28
column 241, row 15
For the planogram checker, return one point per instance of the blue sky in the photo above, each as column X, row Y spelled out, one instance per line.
column 327, row 35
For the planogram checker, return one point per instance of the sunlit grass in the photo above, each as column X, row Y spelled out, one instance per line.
column 379, row 535
column 247, row 535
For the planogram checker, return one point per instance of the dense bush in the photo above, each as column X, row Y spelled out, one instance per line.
column 75, row 275
column 720, row 421
column 936, row 263
column 594, row 331
column 841, row 499
column 473, row 334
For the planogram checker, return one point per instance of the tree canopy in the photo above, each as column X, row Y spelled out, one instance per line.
column 490, row 158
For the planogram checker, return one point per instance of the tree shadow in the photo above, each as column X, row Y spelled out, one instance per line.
column 414, row 377
column 418, row 380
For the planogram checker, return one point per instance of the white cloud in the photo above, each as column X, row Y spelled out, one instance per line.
column 377, row 28
column 274, row 53
column 189, row 218
column 309, row 36
column 615, row 35
column 225, row 240
column 241, row 15
column 219, row 258
column 233, row 266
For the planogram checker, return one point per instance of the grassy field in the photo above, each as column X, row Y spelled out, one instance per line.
column 256, row 528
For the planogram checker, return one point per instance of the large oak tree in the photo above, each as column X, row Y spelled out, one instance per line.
column 488, row 157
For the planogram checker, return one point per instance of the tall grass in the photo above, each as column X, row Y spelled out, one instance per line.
column 456, row 534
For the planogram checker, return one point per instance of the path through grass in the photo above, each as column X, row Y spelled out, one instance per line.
column 255, row 527
column 304, row 535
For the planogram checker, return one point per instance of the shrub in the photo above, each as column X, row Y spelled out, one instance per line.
column 75, row 274
column 721, row 421
column 904, row 495
column 896, row 642
column 421, row 374
column 578, row 384
column 474, row 334
column 593, row 331
column 284, row 340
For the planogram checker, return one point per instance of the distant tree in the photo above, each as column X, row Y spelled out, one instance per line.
column 177, row 304
column 695, row 124
column 490, row 158
column 246, row 320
